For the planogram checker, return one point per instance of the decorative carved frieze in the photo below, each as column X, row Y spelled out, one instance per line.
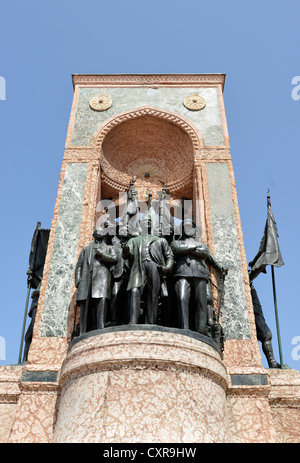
column 180, row 80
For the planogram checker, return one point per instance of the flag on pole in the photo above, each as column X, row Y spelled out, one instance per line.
column 269, row 252
column 38, row 249
column 37, row 256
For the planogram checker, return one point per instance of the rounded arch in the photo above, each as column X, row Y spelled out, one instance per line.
column 174, row 118
column 121, row 136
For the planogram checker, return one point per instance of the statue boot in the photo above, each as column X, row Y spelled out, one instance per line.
column 268, row 351
column 135, row 302
column 101, row 311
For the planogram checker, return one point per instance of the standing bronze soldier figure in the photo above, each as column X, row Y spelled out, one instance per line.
column 264, row 334
column 192, row 274
column 119, row 271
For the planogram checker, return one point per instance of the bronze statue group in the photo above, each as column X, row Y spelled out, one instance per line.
column 135, row 273
column 145, row 271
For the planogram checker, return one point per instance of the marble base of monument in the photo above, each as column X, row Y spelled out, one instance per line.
column 139, row 383
column 141, row 386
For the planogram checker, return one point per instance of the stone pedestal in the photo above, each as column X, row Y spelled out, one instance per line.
column 142, row 386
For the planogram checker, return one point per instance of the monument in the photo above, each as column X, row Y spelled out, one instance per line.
column 144, row 328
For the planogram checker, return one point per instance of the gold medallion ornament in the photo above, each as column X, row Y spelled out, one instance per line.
column 100, row 103
column 194, row 102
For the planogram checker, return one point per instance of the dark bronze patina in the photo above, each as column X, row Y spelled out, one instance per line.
column 141, row 274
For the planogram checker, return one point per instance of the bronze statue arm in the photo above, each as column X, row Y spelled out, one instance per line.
column 126, row 250
column 216, row 264
column 108, row 257
column 78, row 269
column 169, row 259
column 197, row 249
column 182, row 248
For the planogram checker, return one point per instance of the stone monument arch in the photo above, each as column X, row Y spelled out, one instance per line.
column 145, row 382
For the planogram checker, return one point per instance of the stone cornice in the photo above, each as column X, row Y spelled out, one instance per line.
column 146, row 80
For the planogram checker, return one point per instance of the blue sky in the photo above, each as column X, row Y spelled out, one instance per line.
column 255, row 43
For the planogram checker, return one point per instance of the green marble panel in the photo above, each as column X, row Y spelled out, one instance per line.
column 61, row 273
column 207, row 120
column 234, row 313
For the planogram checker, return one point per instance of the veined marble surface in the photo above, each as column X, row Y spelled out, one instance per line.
column 234, row 312
column 207, row 120
column 61, row 274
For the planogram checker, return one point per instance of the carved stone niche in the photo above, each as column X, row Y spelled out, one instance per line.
column 153, row 149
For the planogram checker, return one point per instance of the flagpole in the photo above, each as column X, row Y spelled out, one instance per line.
column 24, row 324
column 276, row 316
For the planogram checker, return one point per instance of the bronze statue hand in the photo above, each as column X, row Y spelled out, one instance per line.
column 201, row 250
column 165, row 270
column 223, row 270
column 99, row 252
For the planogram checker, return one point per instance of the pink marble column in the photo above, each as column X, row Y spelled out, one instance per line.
column 141, row 386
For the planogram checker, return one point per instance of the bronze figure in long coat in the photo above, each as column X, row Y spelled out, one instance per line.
column 150, row 257
column 93, row 278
